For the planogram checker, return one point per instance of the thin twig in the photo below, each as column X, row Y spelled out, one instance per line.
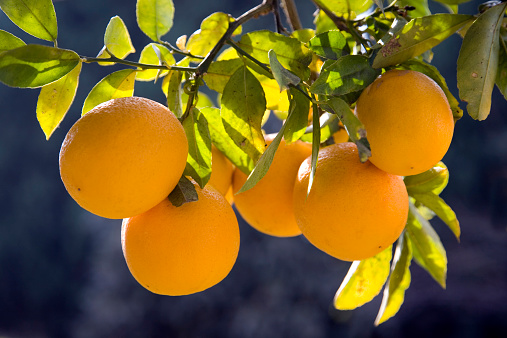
column 242, row 52
column 292, row 14
column 278, row 20
column 179, row 51
column 114, row 59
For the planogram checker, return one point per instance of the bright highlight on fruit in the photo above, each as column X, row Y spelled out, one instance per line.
column 354, row 210
column 182, row 250
column 408, row 121
column 268, row 205
column 123, row 157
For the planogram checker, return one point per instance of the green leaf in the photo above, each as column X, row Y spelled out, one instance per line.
column 501, row 75
column 398, row 282
column 173, row 91
column 364, row 281
column 427, row 248
column 315, row 145
column 283, row 77
column 36, row 17
column 224, row 143
column 328, row 44
column 349, row 73
column 295, row 126
column 116, row 40
column 291, row 53
column 55, row 100
column 418, row 36
column 219, row 73
column 433, row 73
column 478, row 62
column 441, row 209
column 199, row 147
column 33, row 66
column 155, row 17
column 113, row 86
column 184, row 192
column 212, row 29
column 304, row 35
column 323, row 23
column 243, row 105
column 9, row 41
column 203, row 100
column 354, row 127
column 149, row 56
column 433, row 180
column 421, row 7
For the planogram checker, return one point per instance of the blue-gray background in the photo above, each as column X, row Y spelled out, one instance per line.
column 62, row 273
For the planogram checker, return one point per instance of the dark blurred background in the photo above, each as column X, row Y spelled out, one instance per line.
column 62, row 273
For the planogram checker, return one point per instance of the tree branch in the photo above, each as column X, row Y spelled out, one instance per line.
column 291, row 12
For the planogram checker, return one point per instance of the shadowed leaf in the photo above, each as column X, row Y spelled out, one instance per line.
column 184, row 192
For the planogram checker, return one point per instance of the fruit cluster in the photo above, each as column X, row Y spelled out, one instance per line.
column 123, row 158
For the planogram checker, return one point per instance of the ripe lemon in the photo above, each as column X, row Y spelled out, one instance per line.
column 123, row 157
column 221, row 173
column 408, row 121
column 268, row 205
column 354, row 210
column 182, row 250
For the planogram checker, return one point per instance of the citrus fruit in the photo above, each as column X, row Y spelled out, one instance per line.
column 354, row 210
column 123, row 157
column 182, row 250
column 341, row 135
column 268, row 205
column 408, row 122
column 221, row 173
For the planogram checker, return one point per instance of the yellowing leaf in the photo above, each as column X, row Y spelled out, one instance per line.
column 212, row 29
column 149, row 56
column 113, row 86
column 55, row 100
column 364, row 281
column 116, row 40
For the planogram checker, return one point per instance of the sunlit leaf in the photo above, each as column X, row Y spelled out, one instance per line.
column 323, row 23
column 427, row 248
column 184, row 192
column 203, row 100
column 328, row 44
column 420, row 7
column 441, row 209
column 433, row 73
column 478, row 62
column 199, row 147
column 364, row 281
column 224, row 143
column 418, row 36
column 348, row 74
column 113, row 86
column 398, row 282
column 9, row 41
column 295, row 126
column 33, row 66
column 283, row 77
column 328, row 123
column 171, row 86
column 116, row 40
column 433, row 180
column 219, row 73
column 55, row 100
column 155, row 17
column 243, row 105
column 149, row 56
column 36, row 17
column 291, row 53
column 304, row 35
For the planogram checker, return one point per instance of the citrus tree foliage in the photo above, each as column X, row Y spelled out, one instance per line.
column 290, row 71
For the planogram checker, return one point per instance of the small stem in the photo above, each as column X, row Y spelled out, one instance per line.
column 114, row 59
column 242, row 52
column 278, row 21
column 179, row 51
column 292, row 14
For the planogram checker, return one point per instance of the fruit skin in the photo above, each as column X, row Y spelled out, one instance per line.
column 354, row 210
column 182, row 250
column 268, row 205
column 221, row 173
column 123, row 157
column 408, row 121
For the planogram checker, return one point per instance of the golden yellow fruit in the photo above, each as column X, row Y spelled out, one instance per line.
column 341, row 135
column 221, row 171
column 408, row 122
column 182, row 250
column 123, row 157
column 268, row 205
column 354, row 210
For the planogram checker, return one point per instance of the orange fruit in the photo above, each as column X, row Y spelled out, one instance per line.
column 221, row 173
column 341, row 135
column 268, row 205
column 123, row 157
column 182, row 250
column 408, row 122
column 354, row 210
